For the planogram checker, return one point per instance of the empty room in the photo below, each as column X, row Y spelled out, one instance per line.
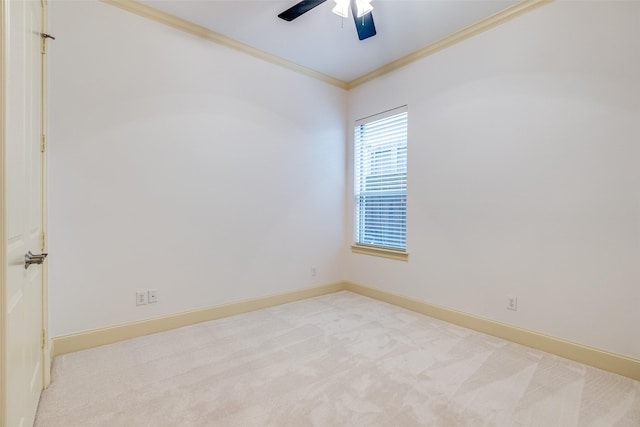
column 320, row 213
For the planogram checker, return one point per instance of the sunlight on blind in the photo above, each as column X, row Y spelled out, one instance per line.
column 380, row 155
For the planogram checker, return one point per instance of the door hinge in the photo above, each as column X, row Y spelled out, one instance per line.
column 43, row 241
column 44, row 38
column 43, row 144
column 44, row 339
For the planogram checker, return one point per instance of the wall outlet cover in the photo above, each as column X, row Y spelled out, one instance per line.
column 153, row 296
column 141, row 298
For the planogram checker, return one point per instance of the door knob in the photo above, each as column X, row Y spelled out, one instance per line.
column 30, row 258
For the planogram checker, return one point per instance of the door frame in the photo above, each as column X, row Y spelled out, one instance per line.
column 46, row 351
column 3, row 225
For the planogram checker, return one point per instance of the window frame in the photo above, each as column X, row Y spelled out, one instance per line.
column 398, row 253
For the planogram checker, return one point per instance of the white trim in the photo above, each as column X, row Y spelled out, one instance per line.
column 4, row 33
column 602, row 359
column 112, row 334
column 383, row 115
column 200, row 31
column 189, row 27
column 379, row 251
column 608, row 361
column 47, row 356
column 461, row 35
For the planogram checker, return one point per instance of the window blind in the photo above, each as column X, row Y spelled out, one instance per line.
column 380, row 172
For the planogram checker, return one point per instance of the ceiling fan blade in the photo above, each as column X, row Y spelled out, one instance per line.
column 300, row 8
column 364, row 24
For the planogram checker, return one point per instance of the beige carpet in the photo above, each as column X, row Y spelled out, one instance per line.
column 336, row 360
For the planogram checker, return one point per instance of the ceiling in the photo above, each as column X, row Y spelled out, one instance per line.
column 324, row 42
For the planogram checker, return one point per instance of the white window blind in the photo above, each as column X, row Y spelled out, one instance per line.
column 380, row 155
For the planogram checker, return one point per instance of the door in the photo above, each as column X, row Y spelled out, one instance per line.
column 23, row 210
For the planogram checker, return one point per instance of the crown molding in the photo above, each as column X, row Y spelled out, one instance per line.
column 461, row 35
column 200, row 31
column 492, row 21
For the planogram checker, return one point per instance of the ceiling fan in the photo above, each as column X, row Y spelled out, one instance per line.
column 360, row 9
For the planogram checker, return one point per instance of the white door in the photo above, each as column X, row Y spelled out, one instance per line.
column 23, row 211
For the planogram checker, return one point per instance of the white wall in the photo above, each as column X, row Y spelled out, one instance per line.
column 524, row 174
column 212, row 176
column 181, row 165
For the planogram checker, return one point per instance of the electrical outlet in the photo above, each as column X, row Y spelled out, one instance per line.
column 141, row 298
column 153, row 296
column 313, row 272
column 512, row 303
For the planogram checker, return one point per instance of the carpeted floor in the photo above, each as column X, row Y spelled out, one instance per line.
column 336, row 360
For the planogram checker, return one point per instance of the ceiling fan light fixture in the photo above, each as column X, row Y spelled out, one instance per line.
column 342, row 8
column 361, row 10
column 364, row 7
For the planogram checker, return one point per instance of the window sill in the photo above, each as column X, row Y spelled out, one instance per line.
column 381, row 252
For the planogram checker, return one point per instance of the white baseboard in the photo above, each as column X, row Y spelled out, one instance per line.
column 602, row 359
column 97, row 337
column 47, row 360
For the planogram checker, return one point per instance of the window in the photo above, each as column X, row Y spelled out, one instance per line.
column 380, row 172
